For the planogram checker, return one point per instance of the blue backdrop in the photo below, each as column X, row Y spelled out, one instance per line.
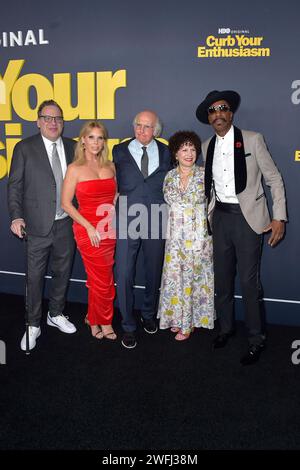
column 110, row 60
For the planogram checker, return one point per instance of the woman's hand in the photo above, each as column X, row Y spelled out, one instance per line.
column 94, row 236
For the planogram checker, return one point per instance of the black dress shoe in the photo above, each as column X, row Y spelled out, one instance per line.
column 128, row 340
column 221, row 340
column 253, row 354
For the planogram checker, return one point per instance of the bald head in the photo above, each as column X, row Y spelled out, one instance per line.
column 146, row 126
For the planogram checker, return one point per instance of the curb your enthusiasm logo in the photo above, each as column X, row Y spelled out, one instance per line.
column 230, row 43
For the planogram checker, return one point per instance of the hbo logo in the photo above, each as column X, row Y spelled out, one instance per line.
column 224, row 30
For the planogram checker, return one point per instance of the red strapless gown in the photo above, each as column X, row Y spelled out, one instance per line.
column 95, row 198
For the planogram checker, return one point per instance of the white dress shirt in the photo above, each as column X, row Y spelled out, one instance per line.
column 61, row 152
column 62, row 157
column 135, row 148
column 223, row 168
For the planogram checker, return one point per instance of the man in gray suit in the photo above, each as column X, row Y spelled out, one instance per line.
column 38, row 167
column 235, row 163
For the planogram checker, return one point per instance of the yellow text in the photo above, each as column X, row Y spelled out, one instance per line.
column 95, row 96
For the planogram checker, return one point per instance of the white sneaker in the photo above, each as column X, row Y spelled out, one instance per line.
column 61, row 322
column 33, row 333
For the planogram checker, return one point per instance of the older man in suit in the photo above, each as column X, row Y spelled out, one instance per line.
column 235, row 163
column 141, row 166
column 38, row 167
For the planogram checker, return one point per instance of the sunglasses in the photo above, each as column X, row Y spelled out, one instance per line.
column 219, row 107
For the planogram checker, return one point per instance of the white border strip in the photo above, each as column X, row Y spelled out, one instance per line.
column 284, row 301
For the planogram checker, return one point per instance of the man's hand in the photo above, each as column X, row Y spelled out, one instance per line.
column 277, row 227
column 16, row 227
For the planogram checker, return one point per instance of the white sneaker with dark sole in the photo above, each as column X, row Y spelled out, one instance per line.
column 62, row 323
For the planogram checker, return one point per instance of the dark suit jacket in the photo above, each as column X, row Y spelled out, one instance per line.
column 131, row 182
column 31, row 184
column 133, row 189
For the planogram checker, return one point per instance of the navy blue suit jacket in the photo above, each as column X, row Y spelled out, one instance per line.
column 136, row 188
column 131, row 182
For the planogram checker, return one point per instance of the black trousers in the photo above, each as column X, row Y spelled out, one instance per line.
column 58, row 248
column 237, row 247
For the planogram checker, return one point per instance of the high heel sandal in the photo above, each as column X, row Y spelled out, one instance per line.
column 99, row 333
column 182, row 337
column 175, row 329
column 111, row 335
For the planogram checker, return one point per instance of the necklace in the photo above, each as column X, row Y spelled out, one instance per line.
column 184, row 178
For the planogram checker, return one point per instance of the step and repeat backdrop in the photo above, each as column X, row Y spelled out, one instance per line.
column 110, row 60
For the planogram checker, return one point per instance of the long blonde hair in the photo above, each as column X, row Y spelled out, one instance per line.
column 79, row 156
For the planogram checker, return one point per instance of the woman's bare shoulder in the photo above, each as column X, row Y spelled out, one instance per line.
column 111, row 166
column 74, row 169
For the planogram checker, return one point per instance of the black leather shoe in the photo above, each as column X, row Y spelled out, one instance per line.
column 221, row 340
column 129, row 341
column 149, row 326
column 253, row 354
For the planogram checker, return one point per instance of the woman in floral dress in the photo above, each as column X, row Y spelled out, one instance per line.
column 187, row 287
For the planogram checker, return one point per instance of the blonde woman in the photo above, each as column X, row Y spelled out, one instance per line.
column 91, row 178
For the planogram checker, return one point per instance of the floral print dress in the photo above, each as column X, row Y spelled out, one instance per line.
column 187, row 287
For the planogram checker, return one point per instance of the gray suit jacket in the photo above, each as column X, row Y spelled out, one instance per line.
column 31, row 184
column 252, row 162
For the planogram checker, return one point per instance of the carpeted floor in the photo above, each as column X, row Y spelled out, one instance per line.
column 75, row 392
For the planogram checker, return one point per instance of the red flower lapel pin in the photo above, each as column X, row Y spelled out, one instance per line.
column 238, row 145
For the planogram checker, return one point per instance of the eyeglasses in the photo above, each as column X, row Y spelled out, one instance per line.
column 219, row 107
column 58, row 119
column 141, row 127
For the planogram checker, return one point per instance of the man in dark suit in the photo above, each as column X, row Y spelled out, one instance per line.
column 141, row 166
column 236, row 161
column 38, row 167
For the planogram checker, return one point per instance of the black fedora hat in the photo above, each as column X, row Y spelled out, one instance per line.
column 232, row 98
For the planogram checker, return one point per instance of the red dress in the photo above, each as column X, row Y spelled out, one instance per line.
column 95, row 198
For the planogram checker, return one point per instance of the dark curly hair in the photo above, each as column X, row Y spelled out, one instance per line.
column 180, row 138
